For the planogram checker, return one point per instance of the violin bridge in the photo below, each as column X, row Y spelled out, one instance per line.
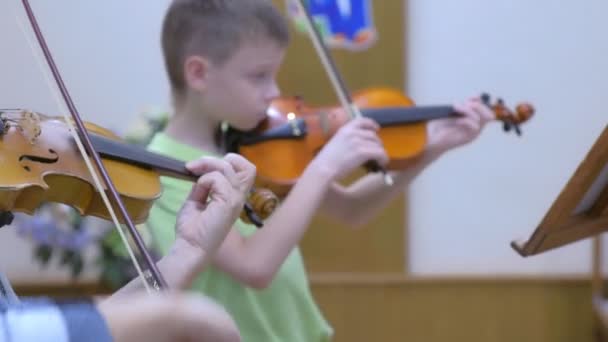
column 28, row 123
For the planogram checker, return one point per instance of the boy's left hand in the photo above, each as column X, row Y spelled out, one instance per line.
column 447, row 133
column 215, row 202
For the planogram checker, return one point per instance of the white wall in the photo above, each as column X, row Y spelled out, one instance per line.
column 467, row 207
column 108, row 53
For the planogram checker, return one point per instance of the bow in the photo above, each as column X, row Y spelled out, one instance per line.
column 152, row 278
column 337, row 81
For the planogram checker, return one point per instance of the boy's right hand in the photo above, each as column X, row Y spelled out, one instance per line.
column 352, row 146
column 215, row 202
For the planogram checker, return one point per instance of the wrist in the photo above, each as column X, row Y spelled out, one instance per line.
column 187, row 254
column 433, row 153
column 320, row 172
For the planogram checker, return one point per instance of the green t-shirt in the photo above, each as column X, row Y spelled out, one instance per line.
column 284, row 311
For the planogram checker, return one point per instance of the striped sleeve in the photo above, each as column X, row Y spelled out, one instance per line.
column 44, row 320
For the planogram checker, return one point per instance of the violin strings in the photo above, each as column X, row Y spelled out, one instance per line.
column 82, row 150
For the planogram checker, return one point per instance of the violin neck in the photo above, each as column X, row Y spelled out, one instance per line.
column 136, row 155
column 388, row 116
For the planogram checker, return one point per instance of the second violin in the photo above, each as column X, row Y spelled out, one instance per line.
column 293, row 133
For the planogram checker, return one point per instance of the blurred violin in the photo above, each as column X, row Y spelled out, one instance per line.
column 294, row 132
column 41, row 163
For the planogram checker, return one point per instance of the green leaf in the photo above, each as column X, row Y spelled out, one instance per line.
column 43, row 254
column 66, row 257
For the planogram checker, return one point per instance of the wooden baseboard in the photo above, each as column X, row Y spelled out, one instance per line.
column 348, row 279
column 392, row 307
column 58, row 290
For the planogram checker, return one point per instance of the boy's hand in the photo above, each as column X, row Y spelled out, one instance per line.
column 353, row 145
column 447, row 133
column 215, row 201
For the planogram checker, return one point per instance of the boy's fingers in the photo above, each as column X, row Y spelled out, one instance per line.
column 206, row 165
column 244, row 167
column 212, row 182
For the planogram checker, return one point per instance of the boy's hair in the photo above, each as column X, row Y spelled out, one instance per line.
column 215, row 29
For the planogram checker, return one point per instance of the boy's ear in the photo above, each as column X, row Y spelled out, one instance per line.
column 196, row 69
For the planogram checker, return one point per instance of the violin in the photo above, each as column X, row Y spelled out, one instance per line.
column 41, row 163
column 294, row 132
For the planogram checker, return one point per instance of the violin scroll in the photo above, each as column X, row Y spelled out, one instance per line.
column 262, row 203
column 511, row 120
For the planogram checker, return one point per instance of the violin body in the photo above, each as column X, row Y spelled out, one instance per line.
column 293, row 133
column 51, row 169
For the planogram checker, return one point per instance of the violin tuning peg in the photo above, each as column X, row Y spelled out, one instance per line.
column 517, row 129
column 6, row 218
column 485, row 98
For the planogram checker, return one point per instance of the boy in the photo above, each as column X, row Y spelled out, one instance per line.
column 222, row 58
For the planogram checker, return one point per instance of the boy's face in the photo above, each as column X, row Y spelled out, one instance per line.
column 240, row 90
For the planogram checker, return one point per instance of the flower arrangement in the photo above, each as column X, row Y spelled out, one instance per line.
column 58, row 230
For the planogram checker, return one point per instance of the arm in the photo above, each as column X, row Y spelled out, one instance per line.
column 168, row 317
column 254, row 260
column 179, row 268
column 204, row 220
column 360, row 202
column 357, row 204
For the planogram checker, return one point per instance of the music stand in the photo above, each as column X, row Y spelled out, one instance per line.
column 580, row 211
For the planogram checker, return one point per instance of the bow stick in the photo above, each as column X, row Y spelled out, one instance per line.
column 155, row 279
column 336, row 80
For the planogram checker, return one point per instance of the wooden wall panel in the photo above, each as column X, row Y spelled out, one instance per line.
column 394, row 310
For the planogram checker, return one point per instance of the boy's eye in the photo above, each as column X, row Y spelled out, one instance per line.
column 259, row 75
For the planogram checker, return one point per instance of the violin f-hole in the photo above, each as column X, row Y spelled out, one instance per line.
column 39, row 159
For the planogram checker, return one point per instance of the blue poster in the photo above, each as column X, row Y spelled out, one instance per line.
column 344, row 24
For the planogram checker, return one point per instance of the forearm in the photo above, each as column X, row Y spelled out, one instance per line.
column 362, row 201
column 168, row 317
column 269, row 247
column 179, row 268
